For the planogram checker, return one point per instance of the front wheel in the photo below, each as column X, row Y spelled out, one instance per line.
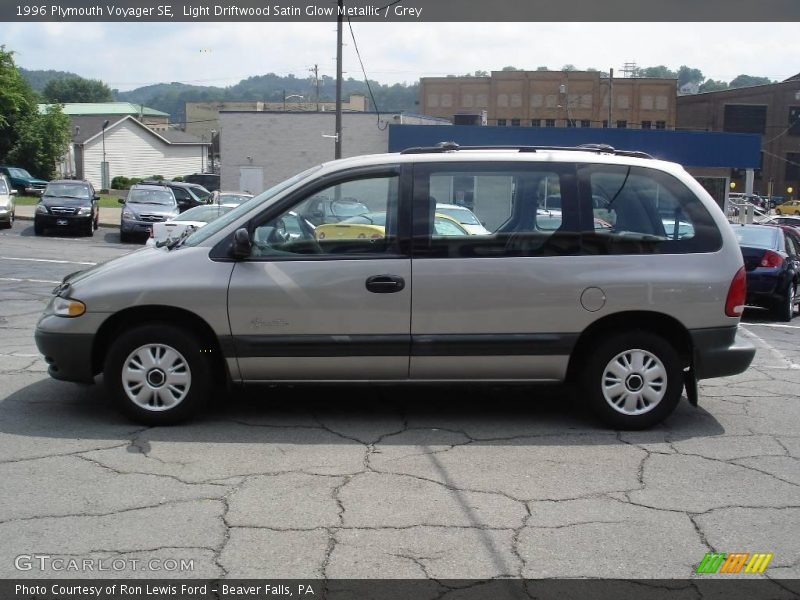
column 633, row 380
column 157, row 374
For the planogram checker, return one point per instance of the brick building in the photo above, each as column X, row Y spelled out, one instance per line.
column 771, row 111
column 553, row 99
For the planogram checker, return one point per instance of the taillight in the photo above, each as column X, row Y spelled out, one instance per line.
column 771, row 259
column 734, row 304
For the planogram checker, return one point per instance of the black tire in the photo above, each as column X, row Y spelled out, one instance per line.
column 153, row 339
column 38, row 228
column 667, row 385
column 124, row 237
column 783, row 309
column 8, row 224
column 88, row 229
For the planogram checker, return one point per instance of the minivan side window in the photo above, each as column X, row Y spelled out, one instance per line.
column 353, row 217
column 636, row 210
column 484, row 210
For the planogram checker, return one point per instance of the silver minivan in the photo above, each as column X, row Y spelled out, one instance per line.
column 632, row 288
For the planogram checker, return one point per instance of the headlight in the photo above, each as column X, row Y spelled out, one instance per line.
column 41, row 209
column 67, row 307
column 86, row 210
column 129, row 214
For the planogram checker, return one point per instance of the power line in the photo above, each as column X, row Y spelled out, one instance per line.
column 366, row 79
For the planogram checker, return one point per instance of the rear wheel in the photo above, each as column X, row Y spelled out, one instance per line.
column 783, row 309
column 157, row 374
column 633, row 380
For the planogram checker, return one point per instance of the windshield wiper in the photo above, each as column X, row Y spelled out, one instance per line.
column 170, row 244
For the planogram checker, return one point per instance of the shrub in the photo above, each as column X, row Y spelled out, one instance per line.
column 178, row 178
column 120, row 183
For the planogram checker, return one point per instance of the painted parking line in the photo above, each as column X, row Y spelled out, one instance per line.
column 47, row 260
column 783, row 361
column 778, row 325
column 28, row 280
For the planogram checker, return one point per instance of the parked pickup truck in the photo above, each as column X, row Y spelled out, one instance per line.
column 22, row 181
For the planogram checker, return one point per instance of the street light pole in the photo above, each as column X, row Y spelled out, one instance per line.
column 104, row 183
column 338, row 139
column 213, row 133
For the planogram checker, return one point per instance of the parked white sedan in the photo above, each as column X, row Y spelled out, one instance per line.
column 162, row 233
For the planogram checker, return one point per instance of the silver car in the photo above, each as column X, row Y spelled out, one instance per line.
column 7, row 205
column 145, row 205
column 602, row 293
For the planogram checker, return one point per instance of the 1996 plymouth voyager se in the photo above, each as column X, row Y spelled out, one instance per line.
column 633, row 287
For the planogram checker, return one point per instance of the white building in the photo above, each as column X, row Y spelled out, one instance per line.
column 131, row 149
column 259, row 149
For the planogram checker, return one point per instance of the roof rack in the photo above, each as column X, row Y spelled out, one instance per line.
column 442, row 147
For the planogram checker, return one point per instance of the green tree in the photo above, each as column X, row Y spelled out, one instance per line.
column 17, row 101
column 569, row 67
column 748, row 81
column 542, row 68
column 711, row 85
column 510, row 68
column 689, row 75
column 27, row 138
column 76, row 89
column 660, row 71
column 43, row 140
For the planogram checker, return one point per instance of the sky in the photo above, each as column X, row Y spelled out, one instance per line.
column 131, row 55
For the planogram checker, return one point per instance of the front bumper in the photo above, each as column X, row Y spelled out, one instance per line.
column 34, row 190
column 132, row 226
column 68, row 355
column 62, row 220
column 720, row 352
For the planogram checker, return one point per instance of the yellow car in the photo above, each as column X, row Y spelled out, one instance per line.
column 792, row 207
column 372, row 226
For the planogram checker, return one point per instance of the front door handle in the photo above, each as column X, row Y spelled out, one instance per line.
column 385, row 284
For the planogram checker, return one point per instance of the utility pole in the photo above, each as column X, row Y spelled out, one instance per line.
column 315, row 71
column 610, row 96
column 339, row 23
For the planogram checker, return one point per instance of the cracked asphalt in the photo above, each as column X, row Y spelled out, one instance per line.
column 362, row 482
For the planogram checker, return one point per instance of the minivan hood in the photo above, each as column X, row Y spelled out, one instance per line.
column 152, row 209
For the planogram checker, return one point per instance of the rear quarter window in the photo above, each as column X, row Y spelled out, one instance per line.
column 636, row 210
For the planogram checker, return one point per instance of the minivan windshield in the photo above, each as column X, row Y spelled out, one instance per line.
column 148, row 196
column 206, row 232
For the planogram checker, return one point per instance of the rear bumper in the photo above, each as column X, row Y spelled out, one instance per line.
column 68, row 356
column 720, row 352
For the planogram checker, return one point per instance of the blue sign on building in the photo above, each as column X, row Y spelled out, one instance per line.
column 688, row 148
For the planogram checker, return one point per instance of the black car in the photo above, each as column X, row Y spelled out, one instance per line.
column 772, row 261
column 67, row 204
column 210, row 181
column 188, row 195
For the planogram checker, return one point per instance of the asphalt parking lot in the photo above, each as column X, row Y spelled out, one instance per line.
column 434, row 482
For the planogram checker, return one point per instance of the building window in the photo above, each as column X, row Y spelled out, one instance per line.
column 570, row 122
column 792, row 166
column 502, row 100
column 447, row 100
column 647, row 124
column 662, row 103
column 586, row 123
column 794, row 120
column 516, row 100
column 467, row 101
column 605, row 123
column 515, row 122
column 622, row 124
column 646, row 103
column 537, row 100
column 433, row 100
column 745, row 118
column 482, row 101
column 501, row 122
column 536, row 122
column 549, row 122
column 661, row 124
column 623, row 102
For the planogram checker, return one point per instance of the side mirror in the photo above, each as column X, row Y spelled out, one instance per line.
column 121, row 200
column 241, row 243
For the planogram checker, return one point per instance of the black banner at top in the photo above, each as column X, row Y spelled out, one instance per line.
column 403, row 10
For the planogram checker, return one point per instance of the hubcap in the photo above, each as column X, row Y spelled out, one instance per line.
column 156, row 377
column 634, row 382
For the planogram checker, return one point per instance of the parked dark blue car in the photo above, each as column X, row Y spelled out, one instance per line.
column 772, row 260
